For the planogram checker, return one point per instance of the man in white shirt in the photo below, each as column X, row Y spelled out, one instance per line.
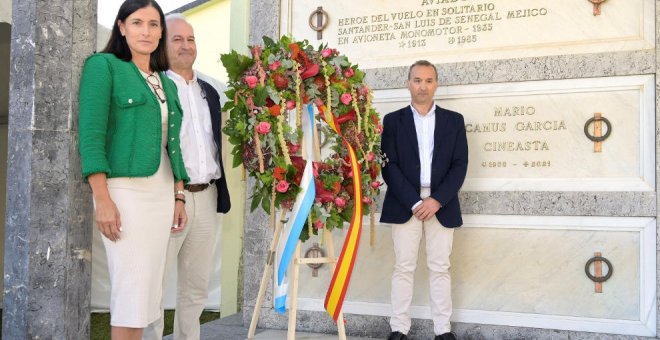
column 427, row 155
column 206, row 194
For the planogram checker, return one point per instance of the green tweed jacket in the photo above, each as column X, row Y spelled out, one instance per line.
column 120, row 121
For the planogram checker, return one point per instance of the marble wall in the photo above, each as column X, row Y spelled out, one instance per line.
column 518, row 264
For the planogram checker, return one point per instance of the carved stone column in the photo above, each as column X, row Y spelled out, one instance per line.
column 48, row 234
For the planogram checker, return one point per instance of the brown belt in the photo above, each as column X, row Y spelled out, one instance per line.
column 198, row 187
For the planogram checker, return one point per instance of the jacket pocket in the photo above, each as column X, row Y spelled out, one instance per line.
column 127, row 101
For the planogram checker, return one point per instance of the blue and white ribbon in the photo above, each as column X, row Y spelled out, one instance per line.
column 301, row 208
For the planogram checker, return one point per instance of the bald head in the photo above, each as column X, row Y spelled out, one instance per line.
column 181, row 47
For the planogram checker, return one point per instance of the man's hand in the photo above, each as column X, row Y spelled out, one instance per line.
column 427, row 209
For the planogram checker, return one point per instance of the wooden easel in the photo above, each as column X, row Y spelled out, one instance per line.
column 297, row 262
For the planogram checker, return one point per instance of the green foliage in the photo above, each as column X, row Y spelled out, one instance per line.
column 235, row 64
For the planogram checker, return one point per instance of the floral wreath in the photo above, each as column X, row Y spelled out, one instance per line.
column 282, row 79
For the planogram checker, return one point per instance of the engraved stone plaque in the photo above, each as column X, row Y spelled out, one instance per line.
column 525, row 271
column 530, row 135
column 468, row 30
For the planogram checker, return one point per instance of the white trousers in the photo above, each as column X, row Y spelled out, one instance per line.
column 191, row 251
column 407, row 238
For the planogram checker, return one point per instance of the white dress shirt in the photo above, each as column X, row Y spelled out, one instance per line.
column 425, row 129
column 200, row 154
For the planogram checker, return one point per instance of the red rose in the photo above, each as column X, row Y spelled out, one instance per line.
column 275, row 110
column 322, row 195
column 280, row 81
column 279, row 173
column 299, row 164
column 320, row 82
column 374, row 170
column 349, row 188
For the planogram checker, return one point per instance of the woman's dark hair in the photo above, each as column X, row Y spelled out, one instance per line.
column 118, row 46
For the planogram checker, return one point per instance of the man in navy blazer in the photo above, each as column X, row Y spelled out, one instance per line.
column 191, row 250
column 426, row 161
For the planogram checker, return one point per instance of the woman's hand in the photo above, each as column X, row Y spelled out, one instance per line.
column 107, row 215
column 180, row 217
column 108, row 220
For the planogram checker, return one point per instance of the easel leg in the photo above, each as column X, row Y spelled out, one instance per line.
column 293, row 311
column 266, row 276
column 341, row 330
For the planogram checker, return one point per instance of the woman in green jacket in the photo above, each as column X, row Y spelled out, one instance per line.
column 130, row 119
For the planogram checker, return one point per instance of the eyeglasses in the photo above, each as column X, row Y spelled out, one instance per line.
column 153, row 80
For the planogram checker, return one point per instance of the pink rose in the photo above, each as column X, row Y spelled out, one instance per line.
column 251, row 81
column 346, row 98
column 290, row 104
column 363, row 90
column 375, row 184
column 366, row 200
column 340, row 202
column 282, row 186
column 371, row 156
column 318, row 224
column 379, row 129
column 274, row 65
column 349, row 72
column 326, row 52
column 263, row 128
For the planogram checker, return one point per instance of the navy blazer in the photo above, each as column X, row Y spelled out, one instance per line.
column 213, row 99
column 402, row 170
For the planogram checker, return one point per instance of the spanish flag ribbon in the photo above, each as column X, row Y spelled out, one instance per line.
column 334, row 298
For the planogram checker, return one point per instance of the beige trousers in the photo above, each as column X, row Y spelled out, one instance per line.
column 407, row 238
column 191, row 251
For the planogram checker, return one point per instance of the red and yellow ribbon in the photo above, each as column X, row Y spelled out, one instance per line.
column 334, row 298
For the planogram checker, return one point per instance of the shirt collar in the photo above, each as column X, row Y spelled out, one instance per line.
column 429, row 114
column 179, row 79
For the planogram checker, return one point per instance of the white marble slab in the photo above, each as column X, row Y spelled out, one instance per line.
column 523, row 271
column 469, row 30
column 529, row 136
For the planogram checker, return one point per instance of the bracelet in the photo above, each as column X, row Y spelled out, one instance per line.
column 180, row 192
column 180, row 200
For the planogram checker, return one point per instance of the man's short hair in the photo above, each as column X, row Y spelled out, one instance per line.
column 422, row 63
column 176, row 16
